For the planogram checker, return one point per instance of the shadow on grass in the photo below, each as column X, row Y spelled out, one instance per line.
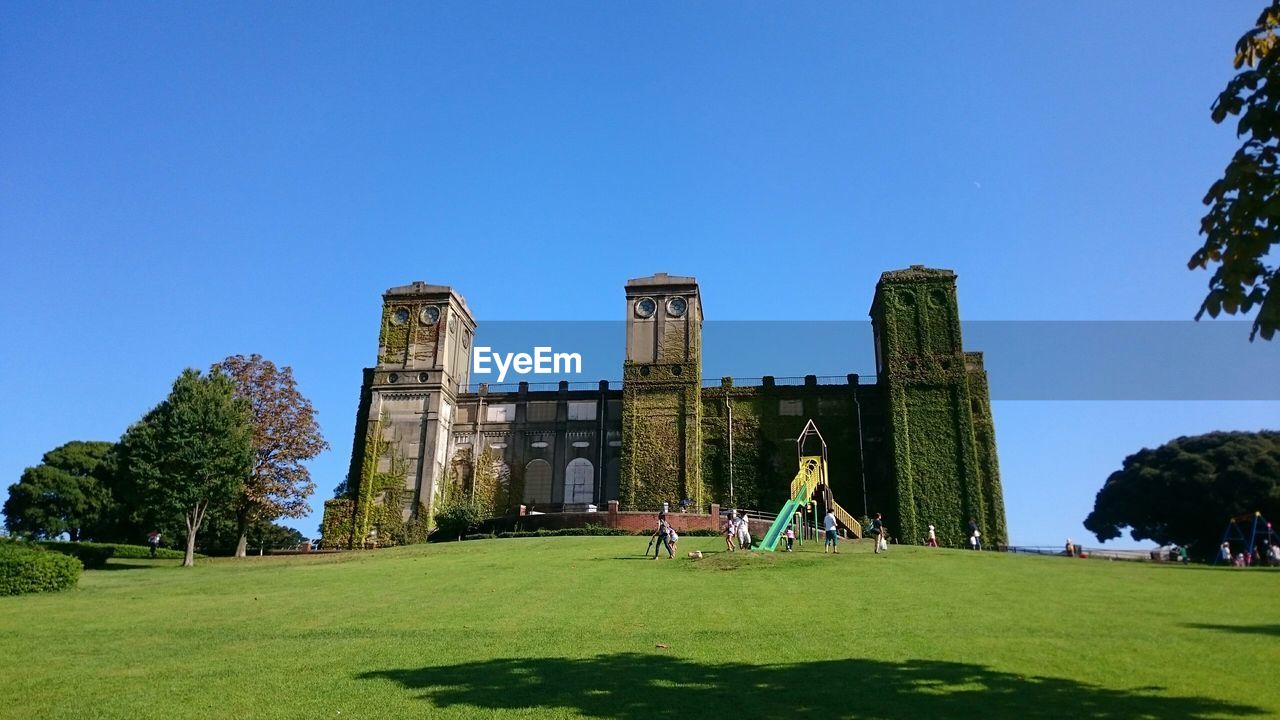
column 649, row 687
column 1273, row 630
column 117, row 565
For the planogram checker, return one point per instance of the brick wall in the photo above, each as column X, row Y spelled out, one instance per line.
column 611, row 518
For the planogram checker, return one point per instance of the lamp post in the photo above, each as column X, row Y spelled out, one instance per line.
column 729, row 409
column 862, row 463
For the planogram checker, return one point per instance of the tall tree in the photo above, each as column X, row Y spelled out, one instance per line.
column 285, row 434
column 61, row 494
column 1243, row 223
column 192, row 451
column 1185, row 490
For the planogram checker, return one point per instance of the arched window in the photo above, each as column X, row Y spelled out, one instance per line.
column 579, row 482
column 537, row 482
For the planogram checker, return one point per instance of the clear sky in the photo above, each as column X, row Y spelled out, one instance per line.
column 181, row 181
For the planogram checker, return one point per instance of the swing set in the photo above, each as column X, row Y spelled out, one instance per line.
column 1259, row 529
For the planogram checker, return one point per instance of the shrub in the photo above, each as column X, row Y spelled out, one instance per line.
column 92, row 555
column 131, row 552
column 28, row 568
column 455, row 517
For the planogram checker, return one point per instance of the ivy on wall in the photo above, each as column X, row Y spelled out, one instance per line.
column 393, row 340
column 943, row 447
column 661, row 436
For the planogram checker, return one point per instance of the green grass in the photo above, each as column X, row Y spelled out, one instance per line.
column 570, row 627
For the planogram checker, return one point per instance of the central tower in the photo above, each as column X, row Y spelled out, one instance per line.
column 661, row 387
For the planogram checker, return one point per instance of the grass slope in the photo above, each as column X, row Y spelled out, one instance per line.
column 569, row 627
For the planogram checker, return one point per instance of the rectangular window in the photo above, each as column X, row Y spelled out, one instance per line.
column 582, row 410
column 793, row 408
column 542, row 411
column 502, row 412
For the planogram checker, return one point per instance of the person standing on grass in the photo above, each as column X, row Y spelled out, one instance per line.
column 673, row 539
column 744, row 532
column 661, row 537
column 933, row 538
column 829, row 525
column 791, row 538
column 153, row 540
column 877, row 531
column 730, row 529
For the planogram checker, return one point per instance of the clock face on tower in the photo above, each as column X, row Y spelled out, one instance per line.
column 677, row 306
column 646, row 307
column 400, row 317
column 430, row 315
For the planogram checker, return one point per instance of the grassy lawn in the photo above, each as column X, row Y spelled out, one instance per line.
column 571, row 627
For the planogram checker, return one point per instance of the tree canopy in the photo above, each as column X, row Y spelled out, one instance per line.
column 1242, row 226
column 285, row 433
column 1185, row 490
column 61, row 494
column 191, row 451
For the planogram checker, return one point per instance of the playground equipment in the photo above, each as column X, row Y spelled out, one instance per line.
column 811, row 476
column 1260, row 529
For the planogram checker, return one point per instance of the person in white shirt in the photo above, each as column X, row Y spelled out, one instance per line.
column 744, row 533
column 829, row 525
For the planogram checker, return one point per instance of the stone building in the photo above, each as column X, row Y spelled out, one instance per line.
column 915, row 444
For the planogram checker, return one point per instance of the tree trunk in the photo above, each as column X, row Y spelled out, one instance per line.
column 242, row 522
column 189, row 560
column 195, row 516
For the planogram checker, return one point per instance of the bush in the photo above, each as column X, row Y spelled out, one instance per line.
column 130, row 552
column 455, row 518
column 29, row 568
column 92, row 555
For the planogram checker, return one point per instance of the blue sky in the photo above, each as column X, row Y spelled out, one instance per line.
column 181, row 182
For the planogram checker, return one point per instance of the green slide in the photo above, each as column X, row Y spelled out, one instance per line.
column 779, row 526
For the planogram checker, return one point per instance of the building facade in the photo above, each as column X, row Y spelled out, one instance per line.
column 916, row 443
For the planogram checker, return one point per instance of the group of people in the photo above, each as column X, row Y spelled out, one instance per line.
column 738, row 529
column 737, row 534
column 1269, row 554
column 664, row 536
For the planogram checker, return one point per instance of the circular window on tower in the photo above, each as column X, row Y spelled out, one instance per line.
column 400, row 317
column 646, row 307
column 430, row 315
column 677, row 306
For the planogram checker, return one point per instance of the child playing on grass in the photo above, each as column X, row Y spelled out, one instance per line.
column 791, row 538
column 728, row 534
column 829, row 526
column 673, row 538
column 933, row 538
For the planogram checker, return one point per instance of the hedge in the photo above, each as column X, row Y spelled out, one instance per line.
column 594, row 531
column 28, row 568
column 121, row 551
column 93, row 556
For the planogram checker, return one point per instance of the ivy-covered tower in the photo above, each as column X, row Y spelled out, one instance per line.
column 405, row 417
column 661, row 382
column 941, row 441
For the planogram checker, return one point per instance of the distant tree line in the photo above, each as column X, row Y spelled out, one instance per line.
column 215, row 464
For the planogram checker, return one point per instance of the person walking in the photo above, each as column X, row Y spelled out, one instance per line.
column 730, row 530
column 933, row 538
column 877, row 532
column 829, row 525
column 153, row 540
column 791, row 538
column 975, row 540
column 661, row 537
